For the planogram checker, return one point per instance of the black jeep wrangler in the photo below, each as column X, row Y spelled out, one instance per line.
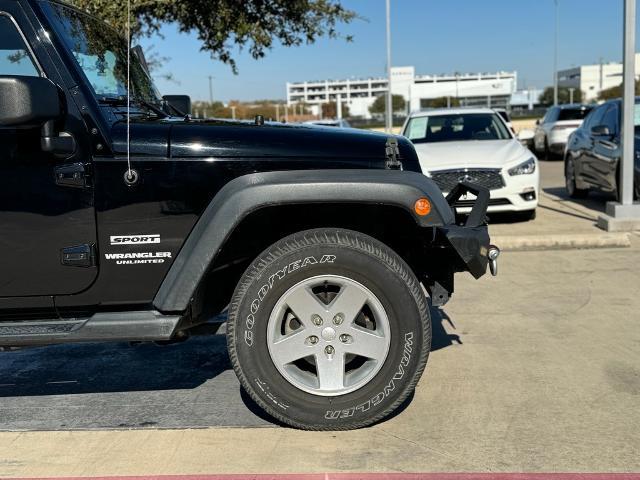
column 127, row 220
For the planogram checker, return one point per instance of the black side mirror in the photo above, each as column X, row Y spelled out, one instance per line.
column 34, row 102
column 28, row 101
column 538, row 122
column 600, row 131
column 179, row 103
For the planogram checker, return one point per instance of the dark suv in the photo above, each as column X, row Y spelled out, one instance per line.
column 127, row 220
column 592, row 158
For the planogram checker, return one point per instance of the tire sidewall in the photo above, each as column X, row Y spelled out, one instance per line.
column 264, row 286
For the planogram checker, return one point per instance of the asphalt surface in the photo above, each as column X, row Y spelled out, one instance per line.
column 117, row 385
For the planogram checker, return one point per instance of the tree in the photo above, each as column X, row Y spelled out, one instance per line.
column 616, row 92
column 222, row 24
column 330, row 110
column 440, row 102
column 564, row 96
column 379, row 106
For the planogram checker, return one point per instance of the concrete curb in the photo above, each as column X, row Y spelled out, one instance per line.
column 561, row 242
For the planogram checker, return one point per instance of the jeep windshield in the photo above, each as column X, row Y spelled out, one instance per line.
column 456, row 127
column 101, row 54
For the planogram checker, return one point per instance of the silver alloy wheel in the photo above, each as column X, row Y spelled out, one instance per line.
column 328, row 335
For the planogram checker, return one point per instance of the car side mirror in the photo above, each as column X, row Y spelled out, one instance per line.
column 538, row 121
column 28, row 101
column 525, row 135
column 600, row 131
column 179, row 103
column 34, row 102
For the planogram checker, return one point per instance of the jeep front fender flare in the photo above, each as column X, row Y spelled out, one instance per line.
column 248, row 193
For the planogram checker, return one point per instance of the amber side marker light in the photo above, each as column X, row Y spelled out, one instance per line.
column 422, row 207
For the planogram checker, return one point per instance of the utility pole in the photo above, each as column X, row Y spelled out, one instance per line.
column 233, row 112
column 555, row 58
column 389, row 102
column 277, row 112
column 571, row 95
column 210, row 89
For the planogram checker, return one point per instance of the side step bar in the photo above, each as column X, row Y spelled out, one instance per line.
column 101, row 327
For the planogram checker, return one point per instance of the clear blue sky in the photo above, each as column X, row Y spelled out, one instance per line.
column 435, row 36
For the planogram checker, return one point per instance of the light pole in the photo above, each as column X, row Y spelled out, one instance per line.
column 210, row 89
column 571, row 95
column 555, row 58
column 389, row 102
column 628, row 105
column 625, row 214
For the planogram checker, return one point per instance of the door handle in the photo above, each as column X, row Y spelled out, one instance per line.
column 71, row 175
column 608, row 144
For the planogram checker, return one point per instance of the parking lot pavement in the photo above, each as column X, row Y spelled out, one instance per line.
column 115, row 385
column 535, row 370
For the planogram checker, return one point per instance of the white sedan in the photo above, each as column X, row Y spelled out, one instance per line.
column 476, row 146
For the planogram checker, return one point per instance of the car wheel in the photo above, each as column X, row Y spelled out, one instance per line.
column 329, row 329
column 570, row 180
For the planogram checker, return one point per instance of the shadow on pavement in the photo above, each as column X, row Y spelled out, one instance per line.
column 112, row 367
column 595, row 201
column 442, row 339
column 118, row 385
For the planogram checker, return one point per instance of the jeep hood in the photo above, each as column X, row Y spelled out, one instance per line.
column 226, row 139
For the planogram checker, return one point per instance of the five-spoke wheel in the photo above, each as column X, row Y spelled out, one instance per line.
column 328, row 335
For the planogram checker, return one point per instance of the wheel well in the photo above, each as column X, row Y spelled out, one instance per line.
column 391, row 225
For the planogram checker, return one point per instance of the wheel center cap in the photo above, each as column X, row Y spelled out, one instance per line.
column 328, row 334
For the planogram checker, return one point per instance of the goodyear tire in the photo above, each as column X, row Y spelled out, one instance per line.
column 329, row 329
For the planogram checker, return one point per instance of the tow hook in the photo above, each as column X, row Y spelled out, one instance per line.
column 493, row 254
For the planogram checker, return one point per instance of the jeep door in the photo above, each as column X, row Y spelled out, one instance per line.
column 46, row 199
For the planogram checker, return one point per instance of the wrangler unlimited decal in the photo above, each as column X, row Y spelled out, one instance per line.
column 138, row 258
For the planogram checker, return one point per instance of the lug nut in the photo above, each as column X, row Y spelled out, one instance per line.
column 313, row 339
column 344, row 338
column 338, row 319
column 317, row 320
column 329, row 350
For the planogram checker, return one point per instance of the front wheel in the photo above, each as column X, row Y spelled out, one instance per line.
column 570, row 180
column 329, row 330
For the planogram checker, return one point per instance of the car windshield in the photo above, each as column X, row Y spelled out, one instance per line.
column 573, row 113
column 101, row 53
column 456, row 127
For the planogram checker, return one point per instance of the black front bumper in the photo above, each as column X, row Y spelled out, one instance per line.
column 470, row 241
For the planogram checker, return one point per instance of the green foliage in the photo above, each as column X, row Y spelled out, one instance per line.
column 564, row 96
column 330, row 110
column 440, row 102
column 379, row 106
column 222, row 24
column 616, row 92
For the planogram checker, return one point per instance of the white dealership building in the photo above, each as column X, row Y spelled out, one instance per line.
column 592, row 79
column 472, row 89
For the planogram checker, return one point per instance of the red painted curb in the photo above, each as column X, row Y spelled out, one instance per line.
column 370, row 476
